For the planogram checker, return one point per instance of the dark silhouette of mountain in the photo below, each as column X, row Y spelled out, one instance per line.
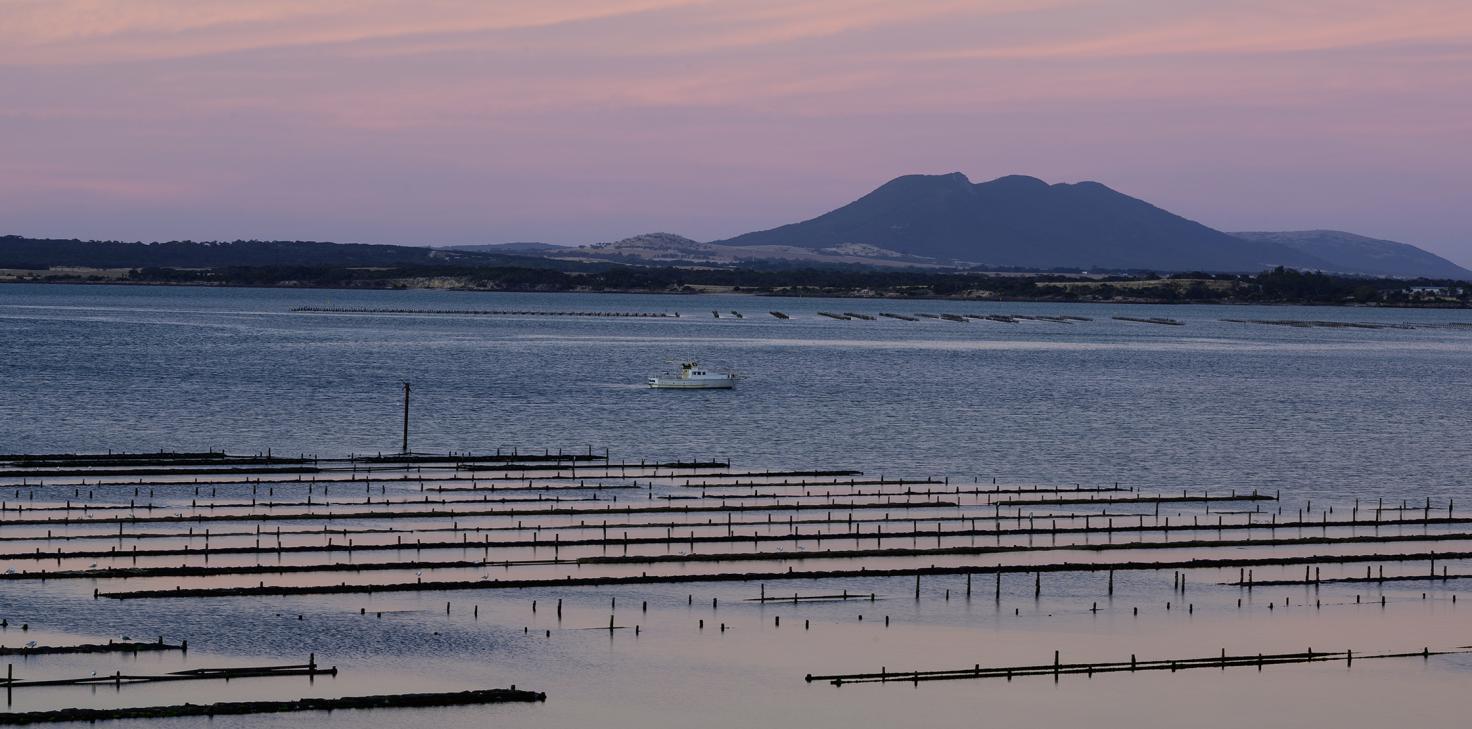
column 19, row 252
column 1350, row 253
column 1021, row 221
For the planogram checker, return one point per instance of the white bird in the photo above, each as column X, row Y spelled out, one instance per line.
column 10, row 571
column 420, row 573
column 31, row 644
column 92, row 566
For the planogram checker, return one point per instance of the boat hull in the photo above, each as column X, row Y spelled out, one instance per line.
column 661, row 383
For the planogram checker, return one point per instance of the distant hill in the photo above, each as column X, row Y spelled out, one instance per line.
column 506, row 248
column 652, row 249
column 1020, row 221
column 19, row 252
column 1350, row 253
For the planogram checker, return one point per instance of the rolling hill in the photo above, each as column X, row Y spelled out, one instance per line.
column 40, row 253
column 1350, row 253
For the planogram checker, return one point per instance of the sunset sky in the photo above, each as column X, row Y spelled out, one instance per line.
column 570, row 121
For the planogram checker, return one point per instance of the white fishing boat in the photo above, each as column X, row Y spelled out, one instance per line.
column 693, row 377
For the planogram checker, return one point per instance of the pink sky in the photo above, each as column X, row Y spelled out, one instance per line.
column 464, row 121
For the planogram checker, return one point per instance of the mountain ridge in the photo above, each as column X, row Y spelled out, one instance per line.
column 1359, row 254
column 945, row 221
column 1019, row 220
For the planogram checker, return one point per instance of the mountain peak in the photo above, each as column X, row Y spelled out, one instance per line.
column 1017, row 181
column 950, row 181
column 1022, row 221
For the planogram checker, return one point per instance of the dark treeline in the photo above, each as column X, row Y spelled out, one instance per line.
column 42, row 253
column 810, row 281
column 1276, row 286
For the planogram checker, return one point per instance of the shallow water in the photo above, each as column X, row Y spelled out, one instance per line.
column 1323, row 415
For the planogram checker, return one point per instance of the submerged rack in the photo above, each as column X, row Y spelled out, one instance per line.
column 193, row 674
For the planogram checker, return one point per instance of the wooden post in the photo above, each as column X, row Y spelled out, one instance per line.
column 406, row 417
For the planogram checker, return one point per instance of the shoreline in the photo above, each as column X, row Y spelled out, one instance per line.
column 771, row 295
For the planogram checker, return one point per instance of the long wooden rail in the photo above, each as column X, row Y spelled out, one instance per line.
column 235, row 708
column 1056, row 668
column 771, row 576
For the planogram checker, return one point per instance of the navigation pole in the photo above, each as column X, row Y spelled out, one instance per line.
column 406, row 417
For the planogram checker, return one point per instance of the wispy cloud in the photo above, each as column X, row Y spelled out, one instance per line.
column 102, row 31
column 1231, row 28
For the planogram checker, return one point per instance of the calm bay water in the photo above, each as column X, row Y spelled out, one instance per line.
column 1206, row 405
column 1318, row 413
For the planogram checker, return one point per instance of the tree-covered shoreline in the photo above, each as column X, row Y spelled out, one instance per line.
column 1269, row 287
